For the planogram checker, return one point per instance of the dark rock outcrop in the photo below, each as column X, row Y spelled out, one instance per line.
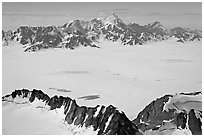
column 50, row 37
column 181, row 120
column 155, row 117
column 195, row 124
column 106, row 120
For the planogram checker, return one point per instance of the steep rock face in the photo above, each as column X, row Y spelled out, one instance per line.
column 181, row 112
column 153, row 114
column 104, row 120
column 194, row 122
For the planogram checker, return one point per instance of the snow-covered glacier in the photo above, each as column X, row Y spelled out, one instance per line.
column 126, row 77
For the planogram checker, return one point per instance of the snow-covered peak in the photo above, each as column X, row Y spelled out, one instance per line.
column 157, row 24
column 112, row 19
column 113, row 16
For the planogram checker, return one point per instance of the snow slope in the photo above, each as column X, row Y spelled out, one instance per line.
column 128, row 77
column 25, row 119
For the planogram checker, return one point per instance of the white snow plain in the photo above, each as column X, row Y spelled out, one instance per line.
column 128, row 77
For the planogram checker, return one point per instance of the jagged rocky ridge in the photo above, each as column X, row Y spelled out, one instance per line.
column 165, row 115
column 104, row 120
column 85, row 33
column 172, row 112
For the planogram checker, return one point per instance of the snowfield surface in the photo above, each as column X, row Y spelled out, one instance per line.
column 128, row 77
column 25, row 119
column 184, row 102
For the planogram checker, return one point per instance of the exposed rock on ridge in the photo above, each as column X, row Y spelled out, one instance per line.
column 104, row 120
column 171, row 112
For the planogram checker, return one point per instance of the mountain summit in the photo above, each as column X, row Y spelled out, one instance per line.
column 113, row 19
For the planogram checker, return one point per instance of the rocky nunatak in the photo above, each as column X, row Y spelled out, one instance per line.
column 105, row 120
column 172, row 112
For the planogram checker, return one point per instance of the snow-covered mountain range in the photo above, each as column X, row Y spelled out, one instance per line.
column 87, row 33
column 170, row 114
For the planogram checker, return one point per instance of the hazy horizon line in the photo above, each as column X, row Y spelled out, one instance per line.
column 89, row 21
column 171, row 14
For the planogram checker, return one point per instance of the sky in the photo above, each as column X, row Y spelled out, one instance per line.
column 174, row 14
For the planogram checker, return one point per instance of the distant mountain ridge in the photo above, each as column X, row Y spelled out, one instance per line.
column 85, row 33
